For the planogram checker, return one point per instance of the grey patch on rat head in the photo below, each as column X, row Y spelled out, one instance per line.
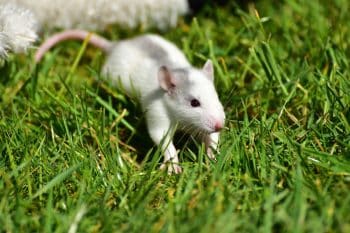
column 153, row 50
column 183, row 74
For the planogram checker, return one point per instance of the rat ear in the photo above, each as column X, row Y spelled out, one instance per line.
column 208, row 69
column 166, row 79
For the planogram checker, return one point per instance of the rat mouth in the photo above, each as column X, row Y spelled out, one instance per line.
column 196, row 129
column 207, row 130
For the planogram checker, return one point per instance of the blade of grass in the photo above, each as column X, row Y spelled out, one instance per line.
column 56, row 180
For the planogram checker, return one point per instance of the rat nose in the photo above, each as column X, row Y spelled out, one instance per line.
column 218, row 126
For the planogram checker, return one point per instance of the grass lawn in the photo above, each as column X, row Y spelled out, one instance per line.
column 75, row 155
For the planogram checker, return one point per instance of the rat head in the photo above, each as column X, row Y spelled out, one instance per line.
column 191, row 98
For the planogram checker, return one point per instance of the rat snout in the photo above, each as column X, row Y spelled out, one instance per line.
column 218, row 123
column 218, row 126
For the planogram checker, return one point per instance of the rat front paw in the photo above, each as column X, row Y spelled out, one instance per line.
column 173, row 168
column 211, row 154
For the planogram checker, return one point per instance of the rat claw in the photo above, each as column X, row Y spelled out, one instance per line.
column 211, row 154
column 173, row 168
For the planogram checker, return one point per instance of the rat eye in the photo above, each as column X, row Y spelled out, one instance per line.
column 195, row 103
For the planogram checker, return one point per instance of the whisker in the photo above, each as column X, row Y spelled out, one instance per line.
column 229, row 98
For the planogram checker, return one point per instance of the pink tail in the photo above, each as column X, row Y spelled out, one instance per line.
column 95, row 40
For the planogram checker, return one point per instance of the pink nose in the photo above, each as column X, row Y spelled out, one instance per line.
column 218, row 126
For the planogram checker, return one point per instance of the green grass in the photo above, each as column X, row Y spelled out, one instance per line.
column 75, row 155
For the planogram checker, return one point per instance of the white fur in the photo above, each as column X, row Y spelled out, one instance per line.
column 97, row 14
column 17, row 29
column 126, row 61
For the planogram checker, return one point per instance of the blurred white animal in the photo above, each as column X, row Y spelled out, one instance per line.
column 18, row 28
column 97, row 14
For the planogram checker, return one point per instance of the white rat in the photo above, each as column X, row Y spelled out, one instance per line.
column 173, row 94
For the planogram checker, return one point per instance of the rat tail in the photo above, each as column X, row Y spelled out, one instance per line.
column 95, row 40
